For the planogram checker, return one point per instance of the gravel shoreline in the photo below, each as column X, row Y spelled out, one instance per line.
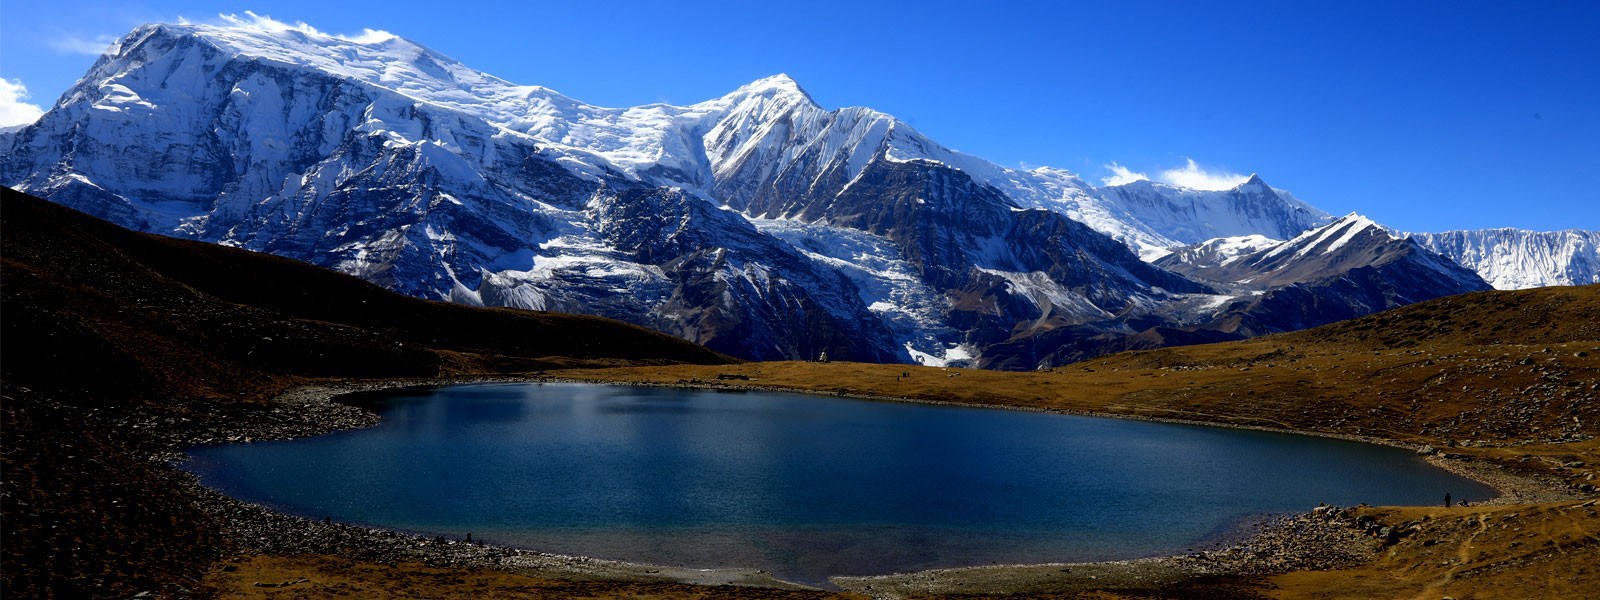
column 1326, row 538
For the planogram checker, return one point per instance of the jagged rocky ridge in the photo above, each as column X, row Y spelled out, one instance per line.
column 758, row 223
column 1346, row 269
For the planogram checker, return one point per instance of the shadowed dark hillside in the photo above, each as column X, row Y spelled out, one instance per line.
column 104, row 331
column 187, row 318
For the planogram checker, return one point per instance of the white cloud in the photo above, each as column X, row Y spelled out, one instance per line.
column 1193, row 176
column 77, row 44
column 13, row 111
column 369, row 36
column 268, row 24
column 97, row 45
column 1121, row 175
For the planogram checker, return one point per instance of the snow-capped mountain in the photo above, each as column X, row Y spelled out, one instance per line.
column 775, row 153
column 1347, row 268
column 1514, row 259
column 1215, row 253
column 757, row 223
column 1181, row 216
column 358, row 156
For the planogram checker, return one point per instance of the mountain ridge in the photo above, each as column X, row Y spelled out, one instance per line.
column 713, row 221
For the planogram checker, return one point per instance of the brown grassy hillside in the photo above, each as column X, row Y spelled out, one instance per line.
column 1549, row 550
column 107, row 335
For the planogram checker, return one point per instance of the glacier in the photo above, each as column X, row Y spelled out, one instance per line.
column 1514, row 259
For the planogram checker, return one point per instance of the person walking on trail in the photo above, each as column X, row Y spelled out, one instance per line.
column 1447, row 499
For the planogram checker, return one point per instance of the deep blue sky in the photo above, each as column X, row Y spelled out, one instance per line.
column 1424, row 116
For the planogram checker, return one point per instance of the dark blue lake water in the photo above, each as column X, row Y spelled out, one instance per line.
column 803, row 486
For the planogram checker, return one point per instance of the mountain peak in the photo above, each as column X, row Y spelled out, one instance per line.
column 1254, row 182
column 780, row 85
column 381, row 60
column 780, row 81
column 1355, row 223
column 1356, row 218
column 253, row 23
column 364, row 55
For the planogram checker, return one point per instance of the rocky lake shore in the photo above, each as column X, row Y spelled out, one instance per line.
column 1322, row 538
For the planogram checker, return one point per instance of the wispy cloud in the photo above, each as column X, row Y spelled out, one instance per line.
column 78, row 44
column 251, row 20
column 73, row 43
column 1193, row 176
column 1121, row 175
column 13, row 109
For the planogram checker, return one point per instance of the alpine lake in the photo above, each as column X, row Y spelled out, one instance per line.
column 805, row 487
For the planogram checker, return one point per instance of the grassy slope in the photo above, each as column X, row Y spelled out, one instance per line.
column 103, row 327
column 1549, row 550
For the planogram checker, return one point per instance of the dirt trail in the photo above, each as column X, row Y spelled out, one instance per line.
column 1463, row 557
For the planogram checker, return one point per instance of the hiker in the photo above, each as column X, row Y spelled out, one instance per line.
column 1447, row 499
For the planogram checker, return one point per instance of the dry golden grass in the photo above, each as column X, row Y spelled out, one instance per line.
column 1518, row 552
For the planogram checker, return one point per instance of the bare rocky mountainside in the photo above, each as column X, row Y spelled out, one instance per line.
column 758, row 224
